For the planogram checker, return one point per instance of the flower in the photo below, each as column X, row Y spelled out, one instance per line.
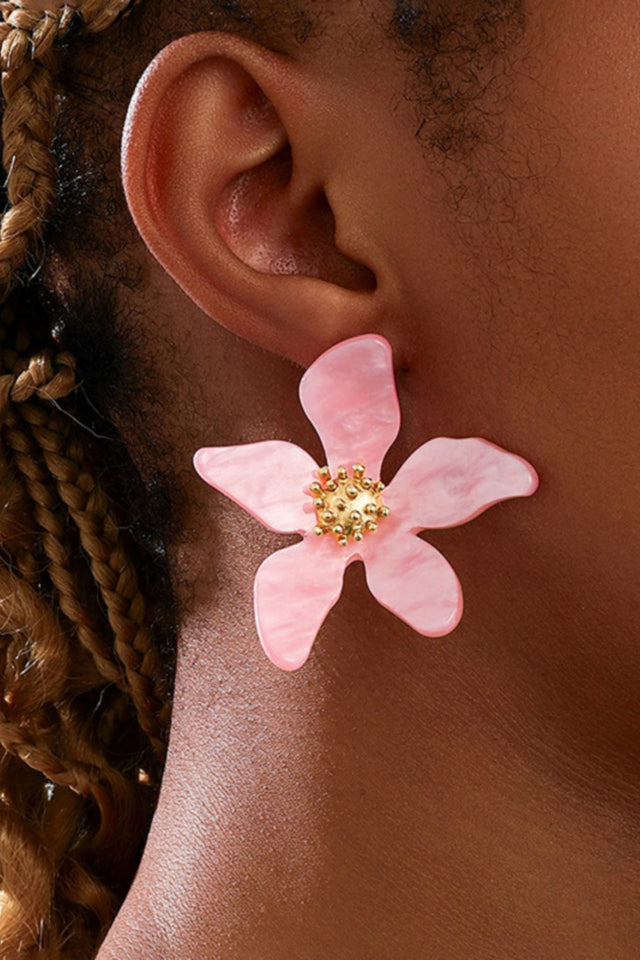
column 343, row 511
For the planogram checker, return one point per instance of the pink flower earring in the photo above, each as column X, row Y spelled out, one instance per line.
column 345, row 513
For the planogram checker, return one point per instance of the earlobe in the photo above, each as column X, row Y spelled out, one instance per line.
column 230, row 199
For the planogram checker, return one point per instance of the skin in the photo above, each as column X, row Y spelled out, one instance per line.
column 398, row 797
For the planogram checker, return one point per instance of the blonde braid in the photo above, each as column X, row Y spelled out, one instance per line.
column 27, row 61
column 112, row 568
column 98, row 15
column 74, row 623
column 58, row 548
column 26, row 41
column 26, row 58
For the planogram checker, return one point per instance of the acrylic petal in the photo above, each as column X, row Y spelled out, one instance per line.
column 447, row 482
column 413, row 580
column 349, row 395
column 293, row 592
column 270, row 480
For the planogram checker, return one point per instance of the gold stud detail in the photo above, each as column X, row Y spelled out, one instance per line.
column 348, row 505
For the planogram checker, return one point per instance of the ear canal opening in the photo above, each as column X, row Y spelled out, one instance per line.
column 337, row 266
column 262, row 226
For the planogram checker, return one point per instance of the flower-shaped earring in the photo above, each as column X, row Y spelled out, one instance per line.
column 345, row 513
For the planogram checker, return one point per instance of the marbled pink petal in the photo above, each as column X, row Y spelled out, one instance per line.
column 294, row 590
column 269, row 479
column 413, row 580
column 447, row 482
column 349, row 395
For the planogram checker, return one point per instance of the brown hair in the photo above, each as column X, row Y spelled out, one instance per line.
column 84, row 706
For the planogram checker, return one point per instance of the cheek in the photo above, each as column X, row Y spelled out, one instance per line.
column 519, row 277
column 524, row 270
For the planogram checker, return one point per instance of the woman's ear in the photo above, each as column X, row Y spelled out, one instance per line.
column 226, row 161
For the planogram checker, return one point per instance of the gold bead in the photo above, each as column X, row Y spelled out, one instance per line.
column 342, row 473
column 315, row 487
column 379, row 486
column 371, row 509
column 319, row 503
column 341, row 505
column 342, row 541
column 367, row 483
column 372, row 526
column 352, row 492
column 358, row 470
column 328, row 517
column 338, row 528
column 384, row 512
column 318, row 531
column 356, row 516
column 324, row 473
column 332, row 485
column 358, row 536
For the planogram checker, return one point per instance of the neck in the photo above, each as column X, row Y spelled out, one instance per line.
column 447, row 783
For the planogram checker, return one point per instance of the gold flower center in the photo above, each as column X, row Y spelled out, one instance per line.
column 348, row 505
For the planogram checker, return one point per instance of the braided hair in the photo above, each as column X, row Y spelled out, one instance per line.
column 84, row 694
